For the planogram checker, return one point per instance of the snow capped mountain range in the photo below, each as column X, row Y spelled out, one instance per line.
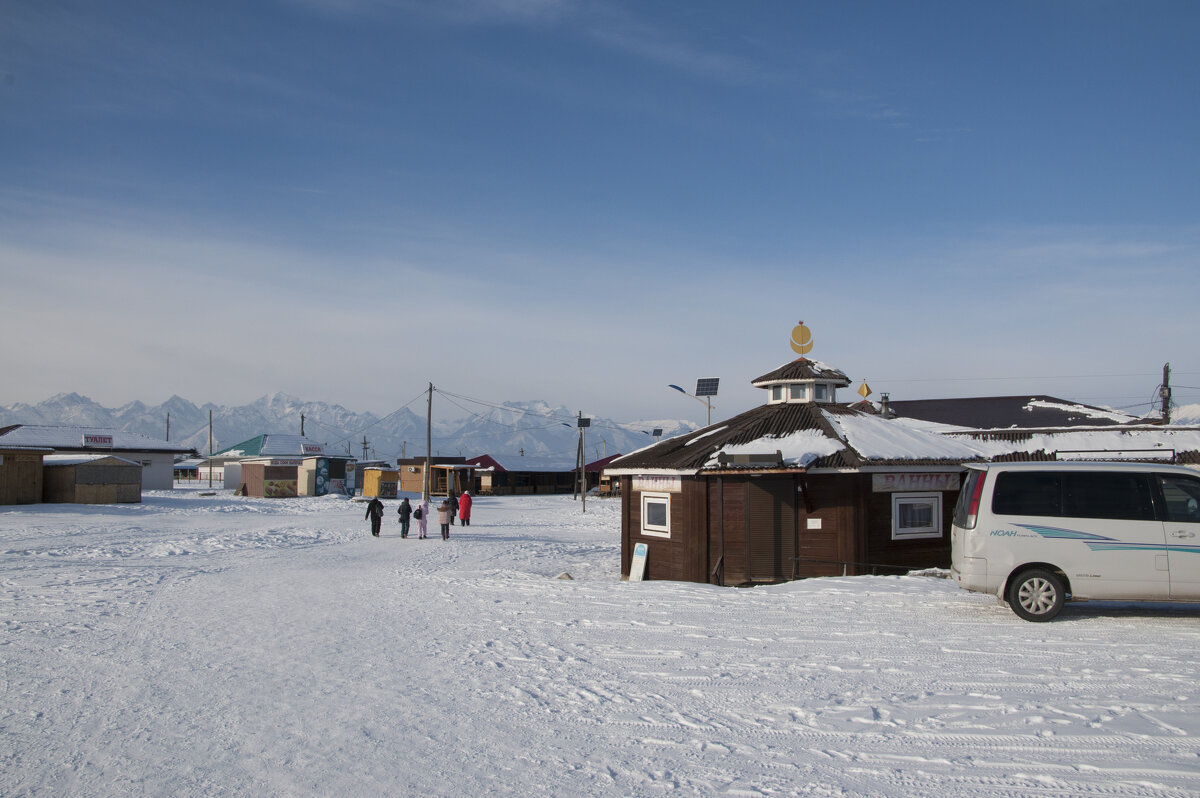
column 534, row 433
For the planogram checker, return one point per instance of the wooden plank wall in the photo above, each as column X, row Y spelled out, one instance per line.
column 903, row 554
column 832, row 549
column 21, row 478
column 684, row 555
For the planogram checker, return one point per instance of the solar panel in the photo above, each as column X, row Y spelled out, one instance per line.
column 707, row 386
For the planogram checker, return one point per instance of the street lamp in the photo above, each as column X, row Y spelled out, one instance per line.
column 706, row 388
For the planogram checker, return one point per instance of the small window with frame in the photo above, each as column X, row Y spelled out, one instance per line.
column 916, row 515
column 656, row 514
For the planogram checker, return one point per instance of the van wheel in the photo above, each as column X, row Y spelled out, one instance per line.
column 1037, row 595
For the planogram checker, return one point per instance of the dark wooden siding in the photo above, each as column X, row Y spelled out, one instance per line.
column 833, row 549
column 885, row 555
column 684, row 555
column 752, row 529
column 727, row 535
column 771, row 529
column 93, row 483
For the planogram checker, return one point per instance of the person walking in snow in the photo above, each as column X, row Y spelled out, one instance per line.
column 421, row 513
column 453, row 502
column 444, row 518
column 464, row 509
column 375, row 513
column 405, row 512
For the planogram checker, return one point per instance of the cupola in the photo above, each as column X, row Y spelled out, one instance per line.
column 802, row 380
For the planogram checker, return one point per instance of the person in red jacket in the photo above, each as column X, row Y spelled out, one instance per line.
column 464, row 509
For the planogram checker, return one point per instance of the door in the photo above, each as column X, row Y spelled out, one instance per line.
column 1118, row 541
column 770, row 529
column 1181, row 495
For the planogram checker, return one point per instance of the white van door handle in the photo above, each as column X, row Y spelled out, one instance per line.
column 1182, row 533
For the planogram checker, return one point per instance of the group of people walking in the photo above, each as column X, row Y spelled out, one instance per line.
column 451, row 508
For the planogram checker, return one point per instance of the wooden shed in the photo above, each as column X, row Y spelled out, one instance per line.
column 271, row 479
column 801, row 486
column 21, row 475
column 380, row 483
column 91, row 479
column 446, row 474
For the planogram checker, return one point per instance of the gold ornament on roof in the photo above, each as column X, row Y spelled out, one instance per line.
column 802, row 340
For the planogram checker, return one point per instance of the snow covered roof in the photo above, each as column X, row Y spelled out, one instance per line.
column 82, row 438
column 1145, row 441
column 801, row 436
column 816, row 437
column 1006, row 412
column 276, row 445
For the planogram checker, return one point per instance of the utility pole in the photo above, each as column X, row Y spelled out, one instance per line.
column 581, row 459
column 1164, row 393
column 301, row 425
column 210, row 448
column 168, row 425
column 428, row 443
column 364, row 445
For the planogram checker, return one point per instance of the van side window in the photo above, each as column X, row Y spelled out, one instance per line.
column 1027, row 493
column 1074, row 494
column 1112, row 495
column 1182, row 495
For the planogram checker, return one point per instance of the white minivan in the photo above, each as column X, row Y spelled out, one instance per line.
column 1035, row 534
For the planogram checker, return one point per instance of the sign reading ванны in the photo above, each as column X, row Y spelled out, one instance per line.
column 660, row 483
column 903, row 483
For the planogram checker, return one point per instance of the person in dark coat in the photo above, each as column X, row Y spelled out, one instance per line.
column 375, row 513
column 453, row 502
column 464, row 509
column 405, row 511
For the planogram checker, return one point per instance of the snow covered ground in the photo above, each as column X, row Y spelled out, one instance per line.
column 197, row 645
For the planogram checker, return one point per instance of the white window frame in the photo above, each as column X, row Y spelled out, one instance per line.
column 798, row 392
column 916, row 533
column 778, row 393
column 655, row 530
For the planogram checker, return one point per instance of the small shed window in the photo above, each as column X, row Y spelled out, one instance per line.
column 798, row 392
column 822, row 392
column 776, row 393
column 656, row 514
column 916, row 515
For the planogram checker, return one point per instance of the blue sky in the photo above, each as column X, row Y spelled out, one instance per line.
column 584, row 201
